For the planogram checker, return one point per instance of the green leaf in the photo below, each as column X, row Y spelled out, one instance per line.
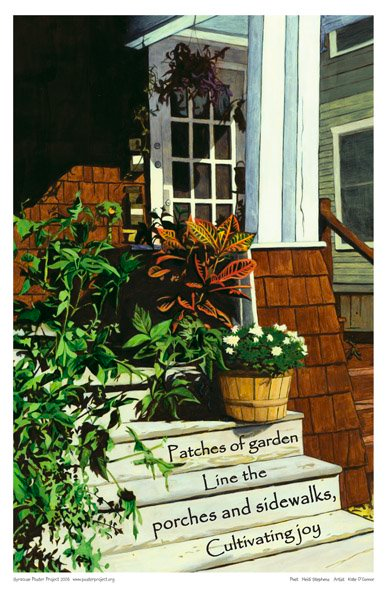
column 161, row 329
column 19, row 487
column 142, row 320
column 26, row 287
column 75, row 210
column 24, row 227
column 136, row 340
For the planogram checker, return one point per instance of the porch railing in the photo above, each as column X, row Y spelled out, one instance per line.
column 328, row 222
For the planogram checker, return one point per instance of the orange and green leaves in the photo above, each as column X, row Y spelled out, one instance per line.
column 170, row 241
column 204, row 266
column 237, row 269
column 203, row 232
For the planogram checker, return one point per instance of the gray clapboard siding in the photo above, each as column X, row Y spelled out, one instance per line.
column 349, row 266
column 347, row 75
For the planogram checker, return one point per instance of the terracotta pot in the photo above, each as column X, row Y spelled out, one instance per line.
column 250, row 397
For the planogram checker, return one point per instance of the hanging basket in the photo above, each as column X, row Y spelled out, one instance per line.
column 249, row 397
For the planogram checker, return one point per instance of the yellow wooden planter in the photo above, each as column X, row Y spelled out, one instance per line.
column 249, row 397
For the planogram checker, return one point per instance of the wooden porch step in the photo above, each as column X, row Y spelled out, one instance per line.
column 365, row 414
column 277, row 540
column 350, row 555
column 220, row 480
column 362, row 383
column 223, row 444
column 366, row 357
column 190, row 519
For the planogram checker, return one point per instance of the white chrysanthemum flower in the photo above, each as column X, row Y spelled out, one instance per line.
column 276, row 351
column 231, row 340
column 270, row 337
column 293, row 334
column 235, row 329
column 304, row 350
column 256, row 330
column 301, row 339
column 229, row 350
column 256, row 339
column 280, row 327
column 286, row 341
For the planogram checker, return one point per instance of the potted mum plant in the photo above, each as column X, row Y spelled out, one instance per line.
column 261, row 362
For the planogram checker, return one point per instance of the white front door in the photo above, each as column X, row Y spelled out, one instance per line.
column 194, row 148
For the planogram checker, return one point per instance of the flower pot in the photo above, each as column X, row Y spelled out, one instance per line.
column 250, row 397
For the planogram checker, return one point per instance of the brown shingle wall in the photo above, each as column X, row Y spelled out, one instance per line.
column 96, row 184
column 293, row 287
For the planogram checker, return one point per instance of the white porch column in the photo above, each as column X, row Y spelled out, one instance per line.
column 283, row 130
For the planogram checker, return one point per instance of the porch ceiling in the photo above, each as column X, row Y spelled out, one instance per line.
column 145, row 30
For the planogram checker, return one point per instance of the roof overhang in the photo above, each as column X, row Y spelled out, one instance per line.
column 146, row 30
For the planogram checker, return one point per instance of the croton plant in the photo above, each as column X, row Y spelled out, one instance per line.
column 205, row 263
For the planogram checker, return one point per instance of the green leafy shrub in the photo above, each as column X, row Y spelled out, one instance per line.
column 270, row 350
column 191, row 344
column 62, row 426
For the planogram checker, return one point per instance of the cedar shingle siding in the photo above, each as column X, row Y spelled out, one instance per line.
column 321, row 389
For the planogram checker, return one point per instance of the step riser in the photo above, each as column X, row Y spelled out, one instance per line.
column 362, row 387
column 366, row 420
column 212, row 449
column 167, row 523
column 198, row 554
column 225, row 479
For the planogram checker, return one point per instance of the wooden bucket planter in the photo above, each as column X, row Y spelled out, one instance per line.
column 249, row 397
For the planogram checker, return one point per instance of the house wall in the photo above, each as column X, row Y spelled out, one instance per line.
column 346, row 95
column 293, row 287
column 96, row 185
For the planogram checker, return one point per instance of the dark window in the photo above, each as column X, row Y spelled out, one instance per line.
column 223, row 182
column 180, row 139
column 181, row 211
column 222, row 141
column 355, row 34
column 201, row 107
column 202, row 180
column 181, row 179
column 179, row 104
column 201, row 141
column 203, row 211
column 356, row 171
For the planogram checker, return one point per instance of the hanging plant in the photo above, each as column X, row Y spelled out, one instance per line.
column 194, row 72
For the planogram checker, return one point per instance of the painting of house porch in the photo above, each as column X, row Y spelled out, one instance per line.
column 194, row 225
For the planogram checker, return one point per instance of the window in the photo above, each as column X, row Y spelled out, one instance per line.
column 351, row 37
column 203, row 156
column 353, row 178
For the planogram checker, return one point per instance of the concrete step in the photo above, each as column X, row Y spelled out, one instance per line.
column 210, row 482
column 351, row 555
column 275, row 540
column 212, row 515
column 215, row 446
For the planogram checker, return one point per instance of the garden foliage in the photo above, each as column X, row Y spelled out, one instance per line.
column 62, row 424
column 200, row 259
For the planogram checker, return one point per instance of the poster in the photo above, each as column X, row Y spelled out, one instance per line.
column 229, row 493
